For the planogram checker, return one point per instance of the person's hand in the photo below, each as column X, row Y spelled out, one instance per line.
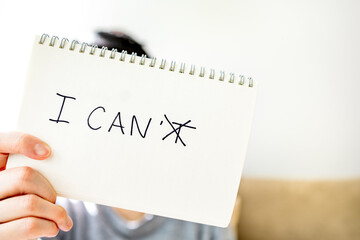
column 27, row 199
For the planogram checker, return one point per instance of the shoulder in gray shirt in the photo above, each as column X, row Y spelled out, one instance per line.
column 96, row 222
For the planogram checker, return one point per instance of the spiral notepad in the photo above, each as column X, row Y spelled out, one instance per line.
column 148, row 135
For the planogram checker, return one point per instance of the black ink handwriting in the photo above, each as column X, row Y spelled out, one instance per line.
column 61, row 109
column 177, row 130
column 88, row 120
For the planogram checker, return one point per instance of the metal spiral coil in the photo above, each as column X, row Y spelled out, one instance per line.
column 132, row 58
column 123, row 55
column 103, row 50
column 83, row 47
column 192, row 69
column 153, row 62
column 73, row 45
column 93, row 49
column 182, row 68
column 64, row 43
column 172, row 66
column 142, row 60
column 113, row 52
column 52, row 41
column 162, row 64
column 202, row 72
column 212, row 73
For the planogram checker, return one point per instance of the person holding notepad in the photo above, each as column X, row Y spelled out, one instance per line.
column 27, row 199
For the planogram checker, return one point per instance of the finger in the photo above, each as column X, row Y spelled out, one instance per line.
column 28, row 228
column 25, row 180
column 3, row 160
column 34, row 206
column 30, row 146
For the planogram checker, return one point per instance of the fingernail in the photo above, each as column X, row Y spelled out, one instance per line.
column 41, row 149
column 69, row 222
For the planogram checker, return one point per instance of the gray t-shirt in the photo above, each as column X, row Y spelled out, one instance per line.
column 96, row 222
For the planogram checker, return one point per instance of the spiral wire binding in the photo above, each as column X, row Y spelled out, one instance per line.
column 112, row 54
column 162, row 64
column 132, row 59
column 123, row 55
column 172, row 66
column 103, row 50
column 83, row 47
column 153, row 61
column 192, row 69
column 142, row 60
column 92, row 50
column 182, row 68
column 52, row 41
column 73, row 45
column 212, row 73
column 63, row 41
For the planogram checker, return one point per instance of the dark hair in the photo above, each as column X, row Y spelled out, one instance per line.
column 119, row 41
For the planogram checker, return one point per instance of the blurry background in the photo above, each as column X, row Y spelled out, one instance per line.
column 304, row 54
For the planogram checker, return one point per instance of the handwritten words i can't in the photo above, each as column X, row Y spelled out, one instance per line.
column 117, row 123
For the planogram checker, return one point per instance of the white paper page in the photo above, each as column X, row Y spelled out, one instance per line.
column 189, row 172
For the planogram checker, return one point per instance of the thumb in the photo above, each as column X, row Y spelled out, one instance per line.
column 28, row 145
column 3, row 160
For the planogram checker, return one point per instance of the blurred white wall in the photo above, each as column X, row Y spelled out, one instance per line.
column 304, row 54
